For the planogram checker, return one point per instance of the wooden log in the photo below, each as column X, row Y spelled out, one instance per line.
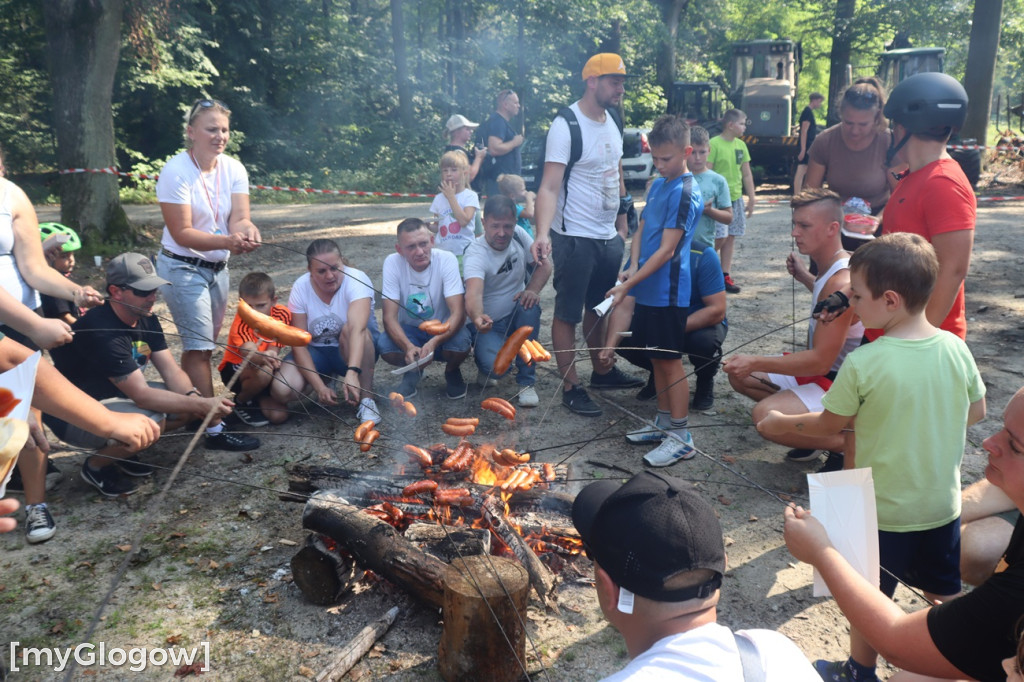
column 484, row 611
column 357, row 647
column 540, row 577
column 376, row 546
column 321, row 574
column 449, row 542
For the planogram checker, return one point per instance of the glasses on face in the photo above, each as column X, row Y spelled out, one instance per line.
column 207, row 104
column 139, row 292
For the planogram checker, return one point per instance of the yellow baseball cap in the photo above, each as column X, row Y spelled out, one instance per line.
column 604, row 64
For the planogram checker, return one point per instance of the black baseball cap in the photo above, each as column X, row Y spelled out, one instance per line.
column 648, row 530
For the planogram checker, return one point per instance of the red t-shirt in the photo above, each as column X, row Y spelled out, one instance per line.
column 242, row 333
column 932, row 200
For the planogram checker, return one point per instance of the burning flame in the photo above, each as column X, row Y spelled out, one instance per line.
column 482, row 473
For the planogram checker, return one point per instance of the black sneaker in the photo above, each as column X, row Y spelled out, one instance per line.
column 109, row 480
column 616, row 378
column 134, row 467
column 703, row 396
column 39, row 525
column 730, row 285
column 801, row 455
column 577, row 400
column 250, row 414
column 648, row 392
column 833, row 462
column 455, row 386
column 233, row 442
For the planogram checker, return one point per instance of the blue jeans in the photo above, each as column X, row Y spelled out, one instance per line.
column 487, row 345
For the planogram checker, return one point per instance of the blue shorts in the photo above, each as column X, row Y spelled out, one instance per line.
column 197, row 298
column 926, row 559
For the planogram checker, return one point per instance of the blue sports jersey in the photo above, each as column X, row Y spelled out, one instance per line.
column 670, row 205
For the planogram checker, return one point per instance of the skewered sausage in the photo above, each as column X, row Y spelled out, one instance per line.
column 509, row 349
column 414, row 489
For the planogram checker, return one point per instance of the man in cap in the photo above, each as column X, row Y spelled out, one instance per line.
column 503, row 143
column 460, row 131
column 658, row 560
column 112, row 345
column 581, row 226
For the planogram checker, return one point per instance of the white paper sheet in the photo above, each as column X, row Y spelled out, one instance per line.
column 20, row 381
column 844, row 502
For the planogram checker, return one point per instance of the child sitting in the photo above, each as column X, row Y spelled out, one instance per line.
column 59, row 246
column 914, row 392
column 455, row 206
column 253, row 404
column 514, row 187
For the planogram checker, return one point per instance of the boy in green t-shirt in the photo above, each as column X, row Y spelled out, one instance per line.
column 730, row 159
column 914, row 391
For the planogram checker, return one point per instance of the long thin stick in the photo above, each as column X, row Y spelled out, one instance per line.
column 357, row 647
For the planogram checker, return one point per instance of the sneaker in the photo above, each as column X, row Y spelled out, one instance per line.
column 528, row 397
column 233, row 442
column 703, row 396
column 839, row 671
column 730, row 285
column 109, row 480
column 53, row 475
column 648, row 392
column 577, row 400
column 485, row 381
column 454, row 385
column 407, row 387
column 801, row 455
column 39, row 525
column 616, row 378
column 134, row 467
column 645, row 434
column 671, row 451
column 250, row 414
column 367, row 411
column 833, row 462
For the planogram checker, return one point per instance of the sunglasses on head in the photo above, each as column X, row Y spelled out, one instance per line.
column 861, row 98
column 139, row 292
column 207, row 104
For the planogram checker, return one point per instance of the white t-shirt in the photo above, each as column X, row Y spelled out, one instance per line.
column 424, row 292
column 10, row 275
column 209, row 195
column 709, row 654
column 592, row 203
column 451, row 236
column 503, row 272
column 325, row 320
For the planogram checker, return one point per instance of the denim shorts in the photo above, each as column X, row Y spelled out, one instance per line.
column 73, row 435
column 585, row 269
column 197, row 298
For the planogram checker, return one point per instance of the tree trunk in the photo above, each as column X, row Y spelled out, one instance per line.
column 401, row 66
column 842, row 34
column 84, row 40
column 981, row 66
column 671, row 12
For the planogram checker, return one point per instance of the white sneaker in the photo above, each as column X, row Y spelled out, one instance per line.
column 368, row 411
column 528, row 397
column 647, row 434
column 671, row 451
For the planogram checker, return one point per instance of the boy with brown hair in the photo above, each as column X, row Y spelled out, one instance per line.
column 253, row 403
column 730, row 158
column 914, row 392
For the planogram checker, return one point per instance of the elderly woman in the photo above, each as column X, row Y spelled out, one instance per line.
column 967, row 637
column 204, row 198
column 850, row 157
column 460, row 131
column 334, row 302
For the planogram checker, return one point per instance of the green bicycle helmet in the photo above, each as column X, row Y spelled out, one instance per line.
column 55, row 234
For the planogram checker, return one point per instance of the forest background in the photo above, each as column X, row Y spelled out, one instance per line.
column 353, row 94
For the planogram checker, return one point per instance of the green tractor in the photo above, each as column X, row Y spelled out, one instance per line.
column 701, row 104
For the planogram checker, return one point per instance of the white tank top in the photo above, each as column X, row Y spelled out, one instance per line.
column 856, row 332
column 10, row 277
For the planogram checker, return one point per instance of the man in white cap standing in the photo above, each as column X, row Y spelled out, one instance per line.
column 581, row 223
column 658, row 560
column 459, row 130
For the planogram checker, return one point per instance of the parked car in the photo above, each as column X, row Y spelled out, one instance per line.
column 533, row 148
column 637, row 164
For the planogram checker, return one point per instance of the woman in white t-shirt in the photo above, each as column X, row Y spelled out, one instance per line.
column 334, row 303
column 204, row 198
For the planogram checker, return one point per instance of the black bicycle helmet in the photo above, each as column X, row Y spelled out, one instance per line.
column 928, row 103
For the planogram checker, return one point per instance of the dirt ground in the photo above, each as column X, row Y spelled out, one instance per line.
column 213, row 565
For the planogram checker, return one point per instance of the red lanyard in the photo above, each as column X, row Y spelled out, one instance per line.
column 214, row 208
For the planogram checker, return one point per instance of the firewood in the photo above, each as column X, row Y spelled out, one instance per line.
column 357, row 647
column 540, row 577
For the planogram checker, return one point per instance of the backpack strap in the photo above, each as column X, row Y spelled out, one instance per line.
column 749, row 659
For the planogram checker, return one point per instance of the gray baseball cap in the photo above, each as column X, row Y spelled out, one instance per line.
column 134, row 270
